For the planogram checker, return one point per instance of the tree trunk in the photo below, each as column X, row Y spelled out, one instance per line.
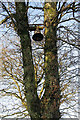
column 33, row 102
column 48, row 107
column 51, row 98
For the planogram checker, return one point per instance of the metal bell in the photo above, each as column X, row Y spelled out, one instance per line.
column 37, row 35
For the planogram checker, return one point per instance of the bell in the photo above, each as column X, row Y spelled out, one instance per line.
column 37, row 35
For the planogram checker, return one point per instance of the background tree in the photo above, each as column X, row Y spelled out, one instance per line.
column 48, row 105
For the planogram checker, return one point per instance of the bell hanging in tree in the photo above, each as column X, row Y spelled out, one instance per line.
column 37, row 35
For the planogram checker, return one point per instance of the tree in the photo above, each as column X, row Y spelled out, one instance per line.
column 48, row 106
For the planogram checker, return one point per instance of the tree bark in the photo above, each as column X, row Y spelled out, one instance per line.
column 33, row 102
column 51, row 98
column 48, row 107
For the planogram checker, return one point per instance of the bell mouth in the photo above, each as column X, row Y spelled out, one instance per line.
column 37, row 37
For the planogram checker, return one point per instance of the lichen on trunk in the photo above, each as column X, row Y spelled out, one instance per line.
column 33, row 102
column 51, row 97
column 48, row 106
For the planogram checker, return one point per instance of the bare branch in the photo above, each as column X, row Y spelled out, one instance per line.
column 39, row 8
column 4, row 20
column 69, row 19
column 8, row 12
column 69, row 43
